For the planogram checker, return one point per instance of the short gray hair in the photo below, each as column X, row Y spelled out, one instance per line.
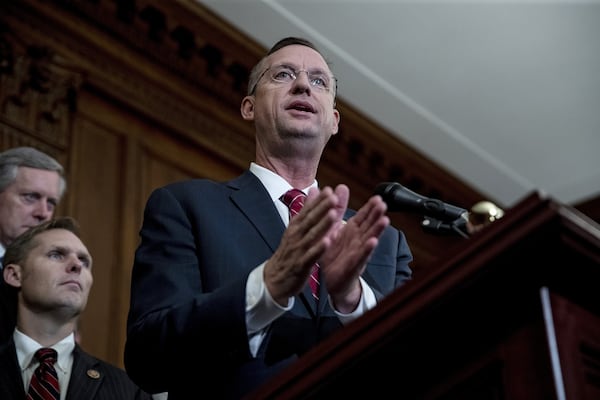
column 12, row 159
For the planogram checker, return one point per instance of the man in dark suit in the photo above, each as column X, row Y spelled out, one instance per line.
column 220, row 300
column 49, row 270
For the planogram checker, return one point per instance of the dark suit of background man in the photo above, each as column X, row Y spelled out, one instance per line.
column 49, row 270
column 31, row 185
column 219, row 295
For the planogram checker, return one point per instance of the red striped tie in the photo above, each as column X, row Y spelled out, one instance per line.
column 294, row 199
column 44, row 382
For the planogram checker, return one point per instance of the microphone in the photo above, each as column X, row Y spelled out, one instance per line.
column 399, row 198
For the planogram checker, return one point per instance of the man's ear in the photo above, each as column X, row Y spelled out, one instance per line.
column 247, row 108
column 12, row 275
column 336, row 122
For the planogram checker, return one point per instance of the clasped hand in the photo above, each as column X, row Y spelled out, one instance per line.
column 319, row 234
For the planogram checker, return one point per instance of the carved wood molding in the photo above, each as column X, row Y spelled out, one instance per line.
column 38, row 89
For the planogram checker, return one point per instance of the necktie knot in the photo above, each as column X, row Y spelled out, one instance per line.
column 294, row 200
column 46, row 356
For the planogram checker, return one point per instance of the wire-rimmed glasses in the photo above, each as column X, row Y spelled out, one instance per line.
column 318, row 79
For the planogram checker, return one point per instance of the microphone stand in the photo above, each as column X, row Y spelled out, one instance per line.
column 456, row 227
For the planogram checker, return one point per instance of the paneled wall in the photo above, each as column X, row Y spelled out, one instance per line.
column 130, row 95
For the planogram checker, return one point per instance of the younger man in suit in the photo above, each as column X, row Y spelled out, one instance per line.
column 49, row 270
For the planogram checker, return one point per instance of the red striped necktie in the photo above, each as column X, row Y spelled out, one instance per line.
column 44, row 382
column 294, row 200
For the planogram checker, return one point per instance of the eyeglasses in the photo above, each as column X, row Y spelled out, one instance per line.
column 319, row 80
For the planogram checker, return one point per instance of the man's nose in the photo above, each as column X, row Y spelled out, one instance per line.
column 75, row 264
column 302, row 80
column 43, row 210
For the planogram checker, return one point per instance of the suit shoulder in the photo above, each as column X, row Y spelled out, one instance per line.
column 196, row 189
column 192, row 184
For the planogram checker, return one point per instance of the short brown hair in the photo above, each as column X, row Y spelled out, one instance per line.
column 20, row 247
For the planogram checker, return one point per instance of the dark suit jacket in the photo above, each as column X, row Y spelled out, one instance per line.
column 91, row 379
column 199, row 241
column 8, row 310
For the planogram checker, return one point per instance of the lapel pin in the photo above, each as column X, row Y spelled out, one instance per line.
column 92, row 373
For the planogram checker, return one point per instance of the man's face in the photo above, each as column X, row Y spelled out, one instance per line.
column 30, row 200
column 293, row 116
column 56, row 275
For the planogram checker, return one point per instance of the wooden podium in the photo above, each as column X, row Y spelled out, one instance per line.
column 513, row 314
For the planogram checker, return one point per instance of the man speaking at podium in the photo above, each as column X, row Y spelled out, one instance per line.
column 220, row 297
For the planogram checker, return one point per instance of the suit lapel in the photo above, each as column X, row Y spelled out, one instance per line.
column 254, row 201
column 11, row 382
column 86, row 376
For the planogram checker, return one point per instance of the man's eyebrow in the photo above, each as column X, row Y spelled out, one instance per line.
column 295, row 68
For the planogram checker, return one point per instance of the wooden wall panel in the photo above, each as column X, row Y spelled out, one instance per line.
column 96, row 189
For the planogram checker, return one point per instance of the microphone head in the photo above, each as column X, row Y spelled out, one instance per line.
column 384, row 189
column 399, row 198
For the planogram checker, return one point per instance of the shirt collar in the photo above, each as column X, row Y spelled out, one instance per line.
column 275, row 184
column 26, row 348
column 2, row 251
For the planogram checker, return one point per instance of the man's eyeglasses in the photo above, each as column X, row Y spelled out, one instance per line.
column 284, row 74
